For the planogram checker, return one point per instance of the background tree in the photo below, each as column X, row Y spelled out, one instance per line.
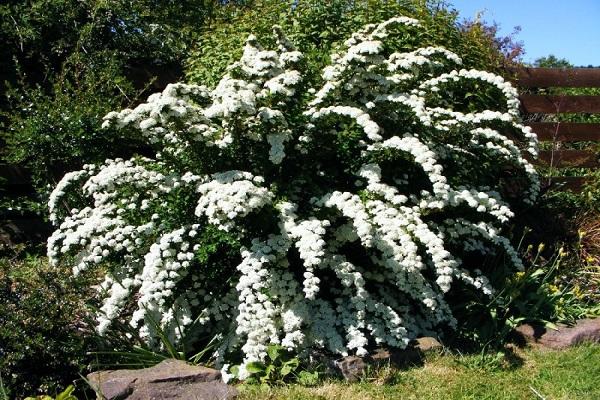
column 66, row 63
column 317, row 28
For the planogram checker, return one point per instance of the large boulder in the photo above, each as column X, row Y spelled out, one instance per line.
column 170, row 379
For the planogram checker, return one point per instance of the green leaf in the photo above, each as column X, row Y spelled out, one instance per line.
column 308, row 378
column 538, row 272
column 274, row 352
column 289, row 366
column 550, row 325
column 285, row 370
column 255, row 367
column 67, row 394
column 269, row 372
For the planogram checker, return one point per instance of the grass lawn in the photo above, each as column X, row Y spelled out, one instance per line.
column 534, row 374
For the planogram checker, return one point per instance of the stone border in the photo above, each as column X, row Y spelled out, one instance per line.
column 170, row 379
column 585, row 330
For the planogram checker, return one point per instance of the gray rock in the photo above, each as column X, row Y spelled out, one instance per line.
column 353, row 368
column 188, row 391
column 585, row 330
column 170, row 379
column 427, row 343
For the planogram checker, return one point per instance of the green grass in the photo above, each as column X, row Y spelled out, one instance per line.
column 532, row 374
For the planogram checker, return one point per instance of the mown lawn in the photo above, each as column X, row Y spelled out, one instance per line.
column 534, row 374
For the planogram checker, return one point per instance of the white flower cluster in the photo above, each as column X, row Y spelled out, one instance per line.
column 58, row 193
column 341, row 254
column 510, row 93
column 230, row 194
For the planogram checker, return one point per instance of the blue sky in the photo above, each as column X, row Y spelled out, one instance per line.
column 566, row 28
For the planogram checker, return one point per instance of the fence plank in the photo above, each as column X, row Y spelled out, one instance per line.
column 533, row 103
column 557, row 77
column 565, row 131
column 569, row 158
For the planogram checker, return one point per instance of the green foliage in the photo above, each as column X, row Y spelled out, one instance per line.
column 532, row 293
column 3, row 390
column 537, row 295
column 317, row 28
column 53, row 132
column 42, row 330
column 41, row 35
column 279, row 367
column 493, row 50
column 67, row 63
column 66, row 394
column 551, row 61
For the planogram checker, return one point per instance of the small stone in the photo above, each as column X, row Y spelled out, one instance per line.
column 428, row 343
column 381, row 355
column 527, row 333
column 353, row 368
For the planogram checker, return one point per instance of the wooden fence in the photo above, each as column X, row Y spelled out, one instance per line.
column 540, row 107
column 539, row 110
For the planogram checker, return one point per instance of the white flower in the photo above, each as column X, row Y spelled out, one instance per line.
column 246, row 226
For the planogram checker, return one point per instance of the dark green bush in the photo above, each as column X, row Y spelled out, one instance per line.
column 43, row 336
column 67, row 63
column 58, row 128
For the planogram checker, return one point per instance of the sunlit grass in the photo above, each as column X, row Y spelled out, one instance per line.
column 531, row 374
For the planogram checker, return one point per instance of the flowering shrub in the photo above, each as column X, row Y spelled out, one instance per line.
column 273, row 213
